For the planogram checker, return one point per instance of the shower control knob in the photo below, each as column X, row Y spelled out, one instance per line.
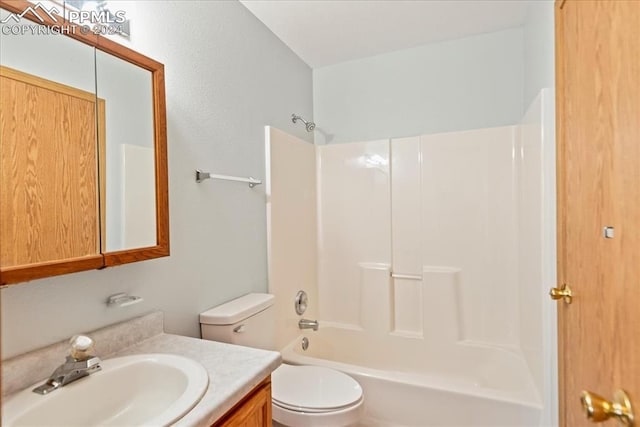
column 301, row 302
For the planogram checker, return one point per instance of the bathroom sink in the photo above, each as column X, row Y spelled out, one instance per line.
column 141, row 390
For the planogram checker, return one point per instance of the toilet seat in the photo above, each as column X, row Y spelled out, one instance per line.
column 313, row 389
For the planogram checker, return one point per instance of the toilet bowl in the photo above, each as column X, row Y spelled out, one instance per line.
column 302, row 396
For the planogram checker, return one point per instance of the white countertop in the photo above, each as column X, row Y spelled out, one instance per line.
column 233, row 371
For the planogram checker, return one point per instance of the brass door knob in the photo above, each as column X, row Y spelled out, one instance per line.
column 564, row 293
column 598, row 409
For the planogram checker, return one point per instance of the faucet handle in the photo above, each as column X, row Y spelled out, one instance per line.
column 81, row 347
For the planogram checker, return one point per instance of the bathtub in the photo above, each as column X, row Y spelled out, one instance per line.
column 406, row 383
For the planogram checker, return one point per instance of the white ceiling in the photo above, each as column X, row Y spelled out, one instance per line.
column 325, row 32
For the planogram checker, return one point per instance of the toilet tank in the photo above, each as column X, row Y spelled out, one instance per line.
column 248, row 320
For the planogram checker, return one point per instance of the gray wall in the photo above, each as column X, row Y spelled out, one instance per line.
column 468, row 83
column 226, row 77
column 539, row 60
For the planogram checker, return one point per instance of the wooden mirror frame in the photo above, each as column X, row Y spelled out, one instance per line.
column 17, row 274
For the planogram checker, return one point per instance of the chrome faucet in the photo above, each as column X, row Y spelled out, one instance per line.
column 308, row 324
column 80, row 363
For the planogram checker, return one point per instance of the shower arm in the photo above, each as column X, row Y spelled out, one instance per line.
column 308, row 125
column 295, row 118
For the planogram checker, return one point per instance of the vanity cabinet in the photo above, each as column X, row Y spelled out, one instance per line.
column 48, row 171
column 254, row 410
column 83, row 149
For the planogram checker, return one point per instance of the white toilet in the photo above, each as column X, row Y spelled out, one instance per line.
column 303, row 396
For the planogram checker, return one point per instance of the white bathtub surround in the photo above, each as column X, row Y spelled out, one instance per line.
column 469, row 225
column 437, row 211
column 537, row 249
column 233, row 370
column 441, row 291
column 375, row 297
column 290, row 185
column 434, row 257
column 354, row 225
column 418, row 271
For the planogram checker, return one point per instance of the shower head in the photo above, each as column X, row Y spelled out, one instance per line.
column 310, row 126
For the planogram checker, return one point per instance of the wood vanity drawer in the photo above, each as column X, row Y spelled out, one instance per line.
column 254, row 410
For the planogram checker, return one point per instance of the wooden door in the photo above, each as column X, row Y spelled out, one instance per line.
column 598, row 125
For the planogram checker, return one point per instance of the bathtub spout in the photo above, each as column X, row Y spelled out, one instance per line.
column 308, row 324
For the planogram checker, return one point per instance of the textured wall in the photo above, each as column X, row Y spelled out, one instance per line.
column 539, row 60
column 469, row 83
column 227, row 76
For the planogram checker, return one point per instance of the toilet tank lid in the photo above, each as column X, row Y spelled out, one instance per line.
column 237, row 309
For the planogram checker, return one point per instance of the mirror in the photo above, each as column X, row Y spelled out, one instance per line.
column 127, row 157
column 83, row 149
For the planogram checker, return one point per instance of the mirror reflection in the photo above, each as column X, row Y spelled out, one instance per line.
column 48, row 193
column 127, row 161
